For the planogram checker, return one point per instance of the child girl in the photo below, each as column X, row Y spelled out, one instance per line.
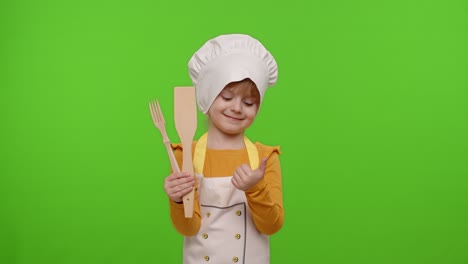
column 238, row 190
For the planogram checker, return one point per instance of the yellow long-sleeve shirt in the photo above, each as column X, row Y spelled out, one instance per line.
column 265, row 199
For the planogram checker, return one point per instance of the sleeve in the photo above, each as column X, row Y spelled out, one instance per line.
column 185, row 226
column 265, row 199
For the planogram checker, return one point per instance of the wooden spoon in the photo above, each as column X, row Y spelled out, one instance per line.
column 185, row 115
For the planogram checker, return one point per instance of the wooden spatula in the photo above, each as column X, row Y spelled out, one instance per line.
column 185, row 115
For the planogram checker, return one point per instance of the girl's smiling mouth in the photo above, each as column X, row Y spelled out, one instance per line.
column 233, row 118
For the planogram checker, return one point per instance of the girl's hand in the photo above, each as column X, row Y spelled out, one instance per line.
column 244, row 177
column 178, row 184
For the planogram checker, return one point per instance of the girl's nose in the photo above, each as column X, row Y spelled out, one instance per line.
column 236, row 105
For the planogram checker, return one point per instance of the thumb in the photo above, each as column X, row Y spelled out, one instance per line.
column 262, row 166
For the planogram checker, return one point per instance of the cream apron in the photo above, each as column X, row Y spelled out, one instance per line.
column 227, row 233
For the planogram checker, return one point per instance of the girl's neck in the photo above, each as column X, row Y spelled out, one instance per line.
column 219, row 140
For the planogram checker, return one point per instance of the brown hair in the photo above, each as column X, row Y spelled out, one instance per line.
column 245, row 86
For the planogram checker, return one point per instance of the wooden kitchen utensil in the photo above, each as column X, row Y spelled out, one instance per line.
column 160, row 123
column 185, row 116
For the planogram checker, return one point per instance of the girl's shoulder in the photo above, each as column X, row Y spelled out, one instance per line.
column 265, row 150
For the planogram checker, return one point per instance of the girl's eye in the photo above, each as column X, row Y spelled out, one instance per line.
column 226, row 98
column 248, row 103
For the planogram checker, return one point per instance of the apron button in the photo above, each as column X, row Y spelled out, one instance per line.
column 235, row 259
column 237, row 236
column 206, row 258
column 205, row 235
column 208, row 214
column 238, row 212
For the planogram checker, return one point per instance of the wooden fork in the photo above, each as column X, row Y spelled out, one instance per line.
column 160, row 123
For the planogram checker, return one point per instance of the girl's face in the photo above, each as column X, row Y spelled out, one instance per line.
column 235, row 108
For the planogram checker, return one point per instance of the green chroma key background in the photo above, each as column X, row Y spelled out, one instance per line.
column 370, row 111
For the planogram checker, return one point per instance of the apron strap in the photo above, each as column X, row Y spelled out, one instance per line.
column 200, row 150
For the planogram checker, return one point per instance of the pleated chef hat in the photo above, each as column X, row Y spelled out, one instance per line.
column 230, row 58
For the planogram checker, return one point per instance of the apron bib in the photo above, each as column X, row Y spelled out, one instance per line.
column 227, row 233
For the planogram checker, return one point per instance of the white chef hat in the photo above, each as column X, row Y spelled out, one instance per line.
column 230, row 58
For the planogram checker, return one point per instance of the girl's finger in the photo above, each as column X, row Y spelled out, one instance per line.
column 245, row 169
column 241, row 173
column 234, row 181
column 177, row 193
column 184, row 191
column 179, row 181
column 241, row 180
column 183, row 185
